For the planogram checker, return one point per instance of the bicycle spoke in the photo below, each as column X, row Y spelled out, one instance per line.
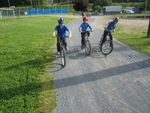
column 107, row 47
column 63, row 57
column 87, row 47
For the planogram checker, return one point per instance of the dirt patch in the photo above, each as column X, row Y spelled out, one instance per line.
column 101, row 21
column 134, row 22
column 126, row 25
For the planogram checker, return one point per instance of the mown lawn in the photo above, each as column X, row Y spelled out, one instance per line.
column 134, row 36
column 26, row 54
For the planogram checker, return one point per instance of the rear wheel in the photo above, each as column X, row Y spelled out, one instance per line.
column 107, row 47
column 87, row 47
column 63, row 57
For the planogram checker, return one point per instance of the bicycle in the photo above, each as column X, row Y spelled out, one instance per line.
column 62, row 52
column 87, row 42
column 107, row 46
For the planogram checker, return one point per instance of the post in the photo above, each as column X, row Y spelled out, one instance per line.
column 68, row 6
column 31, row 7
column 0, row 14
column 9, row 3
column 148, row 32
column 14, row 13
column 145, row 8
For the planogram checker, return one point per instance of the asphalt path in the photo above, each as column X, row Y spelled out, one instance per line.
column 117, row 83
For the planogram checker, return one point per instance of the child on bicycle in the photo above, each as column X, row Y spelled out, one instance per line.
column 61, row 34
column 82, row 28
column 111, row 26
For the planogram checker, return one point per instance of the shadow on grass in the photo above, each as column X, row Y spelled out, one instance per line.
column 76, row 80
column 31, row 63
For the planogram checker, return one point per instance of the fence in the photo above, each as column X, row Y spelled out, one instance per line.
column 24, row 11
column 47, row 11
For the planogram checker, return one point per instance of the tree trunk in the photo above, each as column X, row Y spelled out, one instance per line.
column 148, row 32
column 52, row 2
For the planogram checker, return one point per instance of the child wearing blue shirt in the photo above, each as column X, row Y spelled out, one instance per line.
column 111, row 26
column 61, row 33
column 84, row 27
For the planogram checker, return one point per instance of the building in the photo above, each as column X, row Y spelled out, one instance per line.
column 112, row 10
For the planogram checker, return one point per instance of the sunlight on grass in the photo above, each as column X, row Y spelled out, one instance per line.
column 134, row 36
column 26, row 54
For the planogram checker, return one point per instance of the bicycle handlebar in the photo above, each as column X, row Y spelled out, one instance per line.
column 60, row 37
column 109, row 30
column 86, row 31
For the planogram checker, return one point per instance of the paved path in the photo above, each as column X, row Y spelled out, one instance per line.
column 117, row 83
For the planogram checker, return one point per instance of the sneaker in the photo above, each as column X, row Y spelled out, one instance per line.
column 66, row 48
column 82, row 47
column 58, row 53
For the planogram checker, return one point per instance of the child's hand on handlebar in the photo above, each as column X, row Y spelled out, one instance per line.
column 54, row 35
column 70, row 36
column 113, row 30
column 80, row 30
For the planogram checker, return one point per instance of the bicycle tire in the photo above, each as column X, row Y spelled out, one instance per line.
column 63, row 57
column 101, row 39
column 87, row 47
column 106, row 47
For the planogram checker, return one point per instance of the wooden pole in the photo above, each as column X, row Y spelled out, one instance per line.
column 148, row 32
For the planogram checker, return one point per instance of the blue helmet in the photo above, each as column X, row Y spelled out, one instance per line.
column 60, row 20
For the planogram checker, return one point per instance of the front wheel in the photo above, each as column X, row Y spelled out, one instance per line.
column 87, row 47
column 63, row 57
column 106, row 47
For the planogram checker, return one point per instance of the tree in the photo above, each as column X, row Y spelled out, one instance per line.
column 80, row 5
column 148, row 32
column 100, row 3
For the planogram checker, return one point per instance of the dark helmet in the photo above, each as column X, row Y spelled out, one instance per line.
column 60, row 20
column 116, row 19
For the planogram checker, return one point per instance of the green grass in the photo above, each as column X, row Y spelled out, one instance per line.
column 134, row 15
column 26, row 54
column 134, row 36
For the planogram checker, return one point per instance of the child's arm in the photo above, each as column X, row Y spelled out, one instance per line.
column 105, row 26
column 54, row 33
column 80, row 28
column 70, row 35
column 90, row 27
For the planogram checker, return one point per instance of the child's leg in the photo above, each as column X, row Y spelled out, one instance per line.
column 58, row 44
column 83, row 39
column 104, row 37
column 110, row 36
column 64, row 42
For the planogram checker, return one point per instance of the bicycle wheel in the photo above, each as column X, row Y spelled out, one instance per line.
column 63, row 57
column 87, row 47
column 107, row 47
column 100, row 42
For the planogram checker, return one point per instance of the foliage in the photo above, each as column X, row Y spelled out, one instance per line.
column 129, row 4
column 100, row 3
column 97, row 7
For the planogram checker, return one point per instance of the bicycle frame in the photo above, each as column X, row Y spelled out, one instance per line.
column 106, row 45
column 62, row 52
column 87, row 42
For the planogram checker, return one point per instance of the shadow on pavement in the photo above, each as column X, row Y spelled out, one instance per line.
column 75, row 80
column 76, row 53
column 57, row 67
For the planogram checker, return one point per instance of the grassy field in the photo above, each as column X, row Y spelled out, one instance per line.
column 134, row 36
column 26, row 54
